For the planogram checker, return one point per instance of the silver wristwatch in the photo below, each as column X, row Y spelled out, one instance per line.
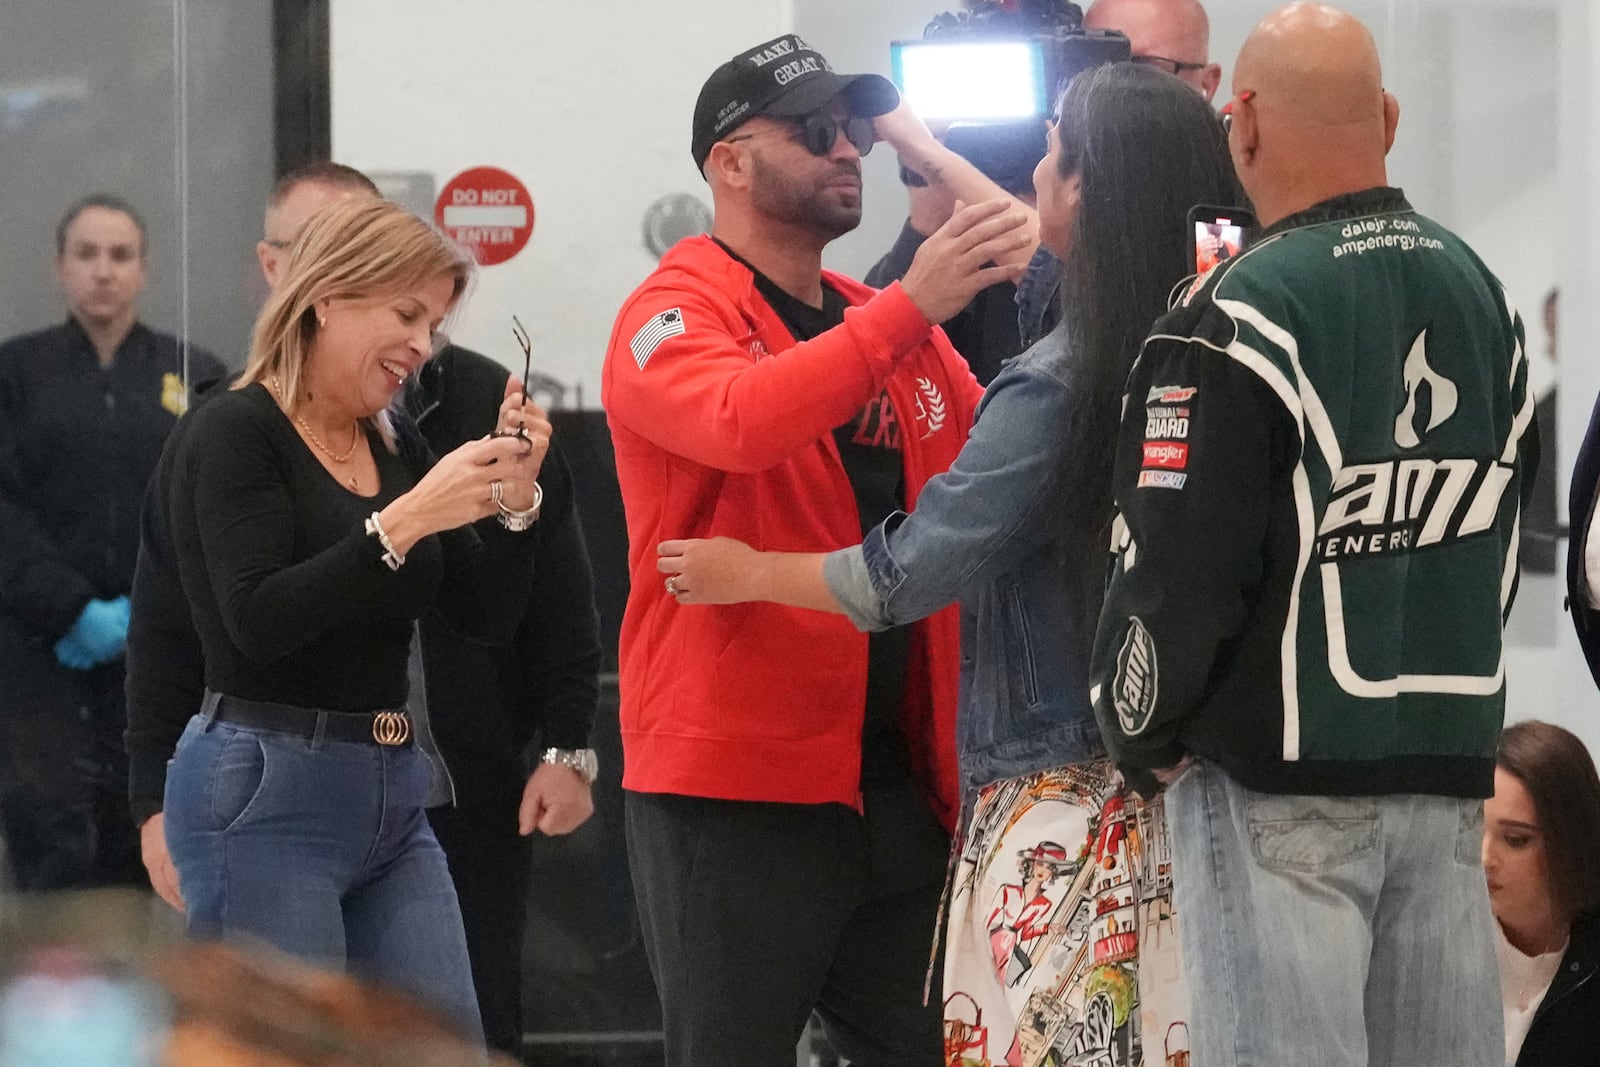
column 582, row 760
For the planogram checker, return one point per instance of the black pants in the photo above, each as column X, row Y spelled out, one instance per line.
column 64, row 786
column 490, row 866
column 755, row 914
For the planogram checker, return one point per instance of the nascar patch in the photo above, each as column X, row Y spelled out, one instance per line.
column 1162, row 480
column 644, row 344
column 1136, row 685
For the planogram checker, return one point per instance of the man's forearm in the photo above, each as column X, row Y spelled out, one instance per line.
column 950, row 176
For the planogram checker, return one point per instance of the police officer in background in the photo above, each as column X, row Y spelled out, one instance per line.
column 84, row 409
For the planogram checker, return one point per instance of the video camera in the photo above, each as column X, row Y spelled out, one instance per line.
column 993, row 71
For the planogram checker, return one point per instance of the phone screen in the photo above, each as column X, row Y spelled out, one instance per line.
column 1217, row 234
column 971, row 80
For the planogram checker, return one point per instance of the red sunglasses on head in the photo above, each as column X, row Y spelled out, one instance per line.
column 1227, row 109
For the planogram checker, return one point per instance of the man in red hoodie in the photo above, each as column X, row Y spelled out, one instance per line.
column 791, row 782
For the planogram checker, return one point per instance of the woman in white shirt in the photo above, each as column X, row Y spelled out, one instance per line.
column 1543, row 870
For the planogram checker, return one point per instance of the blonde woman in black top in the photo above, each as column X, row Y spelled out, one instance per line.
column 311, row 528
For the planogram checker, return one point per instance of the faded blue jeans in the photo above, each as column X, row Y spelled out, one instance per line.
column 320, row 849
column 1333, row 931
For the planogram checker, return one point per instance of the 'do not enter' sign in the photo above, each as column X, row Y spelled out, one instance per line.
column 488, row 210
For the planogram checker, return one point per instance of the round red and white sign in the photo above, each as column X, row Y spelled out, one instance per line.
column 488, row 210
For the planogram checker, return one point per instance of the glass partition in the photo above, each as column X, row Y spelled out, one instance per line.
column 138, row 142
column 164, row 104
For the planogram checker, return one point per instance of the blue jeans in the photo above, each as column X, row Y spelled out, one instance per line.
column 320, row 849
column 1335, row 931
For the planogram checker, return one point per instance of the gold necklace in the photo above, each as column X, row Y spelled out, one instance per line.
column 355, row 438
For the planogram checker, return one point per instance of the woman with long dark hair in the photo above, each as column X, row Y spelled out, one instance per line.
column 1544, row 887
column 1018, row 532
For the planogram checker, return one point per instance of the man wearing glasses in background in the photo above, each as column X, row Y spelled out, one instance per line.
column 791, row 782
column 1170, row 35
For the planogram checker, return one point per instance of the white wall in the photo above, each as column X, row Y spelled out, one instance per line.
column 588, row 103
column 1557, row 686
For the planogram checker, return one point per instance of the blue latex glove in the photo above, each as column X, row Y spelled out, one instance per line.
column 97, row 637
column 71, row 654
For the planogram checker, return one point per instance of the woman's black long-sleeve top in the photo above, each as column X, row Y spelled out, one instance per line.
column 1566, row 1028
column 289, row 594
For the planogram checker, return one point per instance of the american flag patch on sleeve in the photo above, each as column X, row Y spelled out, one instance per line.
column 644, row 344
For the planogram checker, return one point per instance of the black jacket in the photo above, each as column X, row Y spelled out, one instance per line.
column 1566, row 1028
column 484, row 705
column 1580, row 506
column 1301, row 512
column 78, row 442
column 985, row 332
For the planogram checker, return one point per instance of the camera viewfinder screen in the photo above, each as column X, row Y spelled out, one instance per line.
column 1216, row 240
column 976, row 80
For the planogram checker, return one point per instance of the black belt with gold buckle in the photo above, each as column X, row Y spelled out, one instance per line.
column 387, row 728
column 391, row 728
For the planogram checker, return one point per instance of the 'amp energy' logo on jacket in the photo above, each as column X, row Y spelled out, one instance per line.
column 1442, row 394
column 1402, row 504
column 1137, row 684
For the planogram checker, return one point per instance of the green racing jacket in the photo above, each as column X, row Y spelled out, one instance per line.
column 1318, row 479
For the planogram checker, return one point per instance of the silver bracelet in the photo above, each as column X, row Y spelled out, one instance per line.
column 518, row 521
column 392, row 559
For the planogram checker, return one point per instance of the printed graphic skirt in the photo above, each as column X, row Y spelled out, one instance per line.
column 1063, row 944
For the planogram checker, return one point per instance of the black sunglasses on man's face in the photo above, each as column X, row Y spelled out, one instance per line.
column 819, row 131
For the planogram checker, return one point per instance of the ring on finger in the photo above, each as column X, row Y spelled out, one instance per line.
column 497, row 490
column 672, row 585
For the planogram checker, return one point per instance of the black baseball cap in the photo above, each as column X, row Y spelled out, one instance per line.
column 784, row 77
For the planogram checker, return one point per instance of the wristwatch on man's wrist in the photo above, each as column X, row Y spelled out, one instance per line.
column 582, row 760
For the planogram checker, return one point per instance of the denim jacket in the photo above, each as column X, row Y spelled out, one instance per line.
column 1036, row 296
column 1004, row 532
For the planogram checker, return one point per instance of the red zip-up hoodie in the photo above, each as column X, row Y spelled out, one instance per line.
column 722, row 426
